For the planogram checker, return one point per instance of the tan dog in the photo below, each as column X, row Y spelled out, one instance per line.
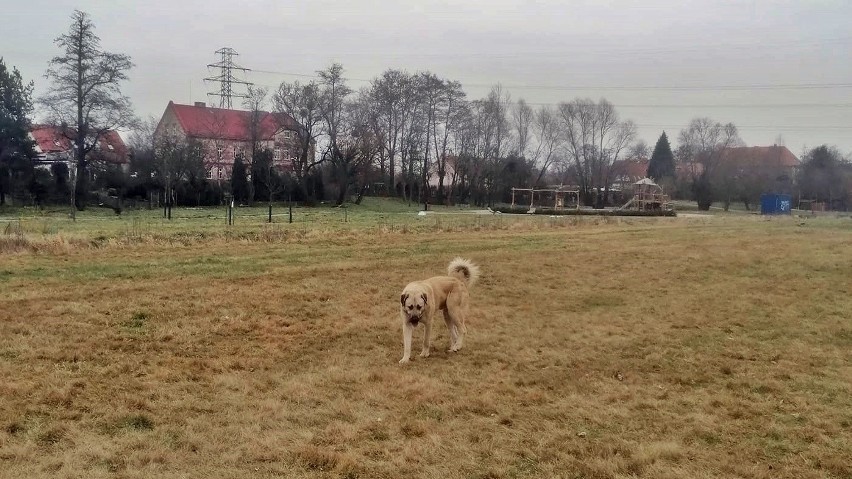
column 421, row 299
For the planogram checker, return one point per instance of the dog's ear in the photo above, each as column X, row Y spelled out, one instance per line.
column 402, row 298
column 423, row 295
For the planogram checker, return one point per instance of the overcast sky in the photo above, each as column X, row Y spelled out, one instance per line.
column 780, row 70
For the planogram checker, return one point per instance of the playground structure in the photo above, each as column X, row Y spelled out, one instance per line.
column 648, row 196
column 558, row 195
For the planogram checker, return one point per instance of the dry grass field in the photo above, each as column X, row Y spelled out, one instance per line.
column 659, row 348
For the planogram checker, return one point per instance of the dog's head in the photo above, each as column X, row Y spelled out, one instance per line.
column 413, row 305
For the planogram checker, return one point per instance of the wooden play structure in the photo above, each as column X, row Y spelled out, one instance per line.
column 648, row 196
column 558, row 195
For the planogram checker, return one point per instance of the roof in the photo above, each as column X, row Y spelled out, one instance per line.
column 774, row 156
column 630, row 170
column 50, row 139
column 201, row 121
column 645, row 181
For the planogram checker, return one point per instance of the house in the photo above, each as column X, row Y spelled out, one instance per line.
column 627, row 172
column 775, row 162
column 54, row 145
column 227, row 134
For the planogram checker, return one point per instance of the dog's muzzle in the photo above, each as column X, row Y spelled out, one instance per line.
column 414, row 320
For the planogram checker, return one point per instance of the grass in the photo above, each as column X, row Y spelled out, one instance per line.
column 610, row 348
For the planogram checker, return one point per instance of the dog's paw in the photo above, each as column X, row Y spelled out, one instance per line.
column 404, row 361
column 424, row 354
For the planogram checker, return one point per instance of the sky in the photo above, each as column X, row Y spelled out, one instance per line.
column 779, row 70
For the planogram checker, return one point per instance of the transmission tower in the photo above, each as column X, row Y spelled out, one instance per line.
column 226, row 80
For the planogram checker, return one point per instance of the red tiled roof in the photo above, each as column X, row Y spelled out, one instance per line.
column 113, row 139
column 631, row 169
column 50, row 139
column 774, row 156
column 206, row 122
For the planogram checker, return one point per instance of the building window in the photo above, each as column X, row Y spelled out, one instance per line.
column 110, row 147
column 210, row 173
column 276, row 155
column 219, row 152
column 288, row 134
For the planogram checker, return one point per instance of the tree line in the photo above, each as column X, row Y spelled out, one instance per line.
column 411, row 135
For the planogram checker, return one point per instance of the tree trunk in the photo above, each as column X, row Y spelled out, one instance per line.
column 82, row 185
column 703, row 193
column 361, row 194
column 343, row 181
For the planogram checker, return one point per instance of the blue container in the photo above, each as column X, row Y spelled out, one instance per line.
column 772, row 204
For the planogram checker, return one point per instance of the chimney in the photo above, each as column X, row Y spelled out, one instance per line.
column 200, row 104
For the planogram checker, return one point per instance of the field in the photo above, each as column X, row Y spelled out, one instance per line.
column 697, row 347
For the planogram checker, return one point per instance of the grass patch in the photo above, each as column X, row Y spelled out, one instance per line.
column 137, row 320
column 136, row 422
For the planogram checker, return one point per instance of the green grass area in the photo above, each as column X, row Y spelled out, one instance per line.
column 98, row 221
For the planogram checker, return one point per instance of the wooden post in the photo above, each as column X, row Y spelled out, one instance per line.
column 513, row 197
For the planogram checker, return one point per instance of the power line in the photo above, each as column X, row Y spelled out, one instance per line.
column 788, row 86
column 765, row 127
column 766, row 106
column 580, row 49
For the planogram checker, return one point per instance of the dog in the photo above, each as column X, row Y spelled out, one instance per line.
column 420, row 300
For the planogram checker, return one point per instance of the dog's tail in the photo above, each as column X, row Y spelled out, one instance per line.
column 465, row 270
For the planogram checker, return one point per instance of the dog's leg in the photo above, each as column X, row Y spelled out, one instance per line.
column 450, row 328
column 460, row 330
column 456, row 325
column 427, row 337
column 407, row 332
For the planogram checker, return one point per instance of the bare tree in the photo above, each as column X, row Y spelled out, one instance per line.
column 388, row 95
column 594, row 140
column 450, row 117
column 142, row 152
column 86, row 93
column 703, row 143
column 255, row 103
column 332, row 107
column 548, row 140
column 303, row 103
column 360, row 146
column 826, row 176
column 257, row 128
column 638, row 151
column 522, row 119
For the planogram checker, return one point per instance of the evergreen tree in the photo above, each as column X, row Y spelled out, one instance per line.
column 662, row 160
column 239, row 181
column 16, row 148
